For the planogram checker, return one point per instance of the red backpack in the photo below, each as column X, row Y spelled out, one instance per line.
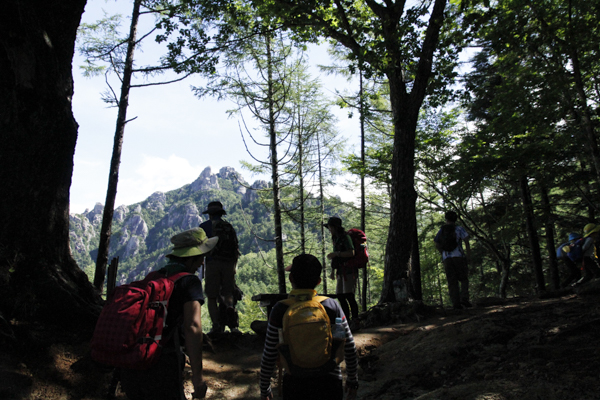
column 361, row 254
column 129, row 330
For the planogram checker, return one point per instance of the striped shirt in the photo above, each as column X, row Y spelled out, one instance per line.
column 270, row 353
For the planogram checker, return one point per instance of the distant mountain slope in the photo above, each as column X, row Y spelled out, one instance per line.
column 142, row 231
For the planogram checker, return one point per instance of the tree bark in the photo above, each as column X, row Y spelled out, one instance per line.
column 405, row 111
column 39, row 280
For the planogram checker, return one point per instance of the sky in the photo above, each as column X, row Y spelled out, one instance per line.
column 174, row 135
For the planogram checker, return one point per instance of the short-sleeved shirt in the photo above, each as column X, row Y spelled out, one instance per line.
column 341, row 243
column 187, row 288
column 461, row 234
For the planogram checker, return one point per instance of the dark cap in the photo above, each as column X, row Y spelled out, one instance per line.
column 214, row 207
column 334, row 221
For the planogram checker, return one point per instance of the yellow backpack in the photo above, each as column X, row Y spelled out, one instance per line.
column 307, row 346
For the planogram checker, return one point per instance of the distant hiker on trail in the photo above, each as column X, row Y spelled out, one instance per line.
column 306, row 321
column 571, row 255
column 163, row 380
column 346, row 276
column 219, row 277
column 448, row 242
column 590, row 264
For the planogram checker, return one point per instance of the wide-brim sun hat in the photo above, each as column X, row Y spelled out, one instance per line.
column 214, row 207
column 590, row 228
column 193, row 242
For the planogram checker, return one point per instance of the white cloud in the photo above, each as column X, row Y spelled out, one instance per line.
column 156, row 174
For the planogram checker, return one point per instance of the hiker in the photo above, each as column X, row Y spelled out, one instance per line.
column 571, row 255
column 317, row 383
column 345, row 276
column 219, row 276
column 589, row 264
column 164, row 379
column 448, row 241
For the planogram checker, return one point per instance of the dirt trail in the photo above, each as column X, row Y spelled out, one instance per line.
column 517, row 350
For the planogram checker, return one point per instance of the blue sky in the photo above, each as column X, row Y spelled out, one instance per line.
column 174, row 136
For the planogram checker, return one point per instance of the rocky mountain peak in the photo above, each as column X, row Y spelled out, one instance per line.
column 206, row 181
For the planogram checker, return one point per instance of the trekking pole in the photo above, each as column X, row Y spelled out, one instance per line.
column 279, row 378
column 114, row 383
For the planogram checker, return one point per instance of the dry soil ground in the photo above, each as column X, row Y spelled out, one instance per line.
column 499, row 350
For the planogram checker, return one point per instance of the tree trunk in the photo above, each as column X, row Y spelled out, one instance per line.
column 550, row 246
column 504, row 278
column 363, row 224
column 405, row 112
column 534, row 243
column 322, row 210
column 113, row 177
column 39, row 280
column 275, row 173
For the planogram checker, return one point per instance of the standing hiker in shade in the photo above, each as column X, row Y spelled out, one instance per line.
column 345, row 276
column 449, row 241
column 219, row 279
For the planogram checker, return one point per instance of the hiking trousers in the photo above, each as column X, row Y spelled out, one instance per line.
column 457, row 274
column 326, row 387
column 163, row 381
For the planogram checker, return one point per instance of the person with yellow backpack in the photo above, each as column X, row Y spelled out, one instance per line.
column 591, row 234
column 310, row 336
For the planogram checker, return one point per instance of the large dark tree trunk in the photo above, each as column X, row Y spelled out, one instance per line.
column 39, row 280
column 405, row 110
column 534, row 243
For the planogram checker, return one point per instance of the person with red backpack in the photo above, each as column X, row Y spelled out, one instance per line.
column 163, row 380
column 346, row 275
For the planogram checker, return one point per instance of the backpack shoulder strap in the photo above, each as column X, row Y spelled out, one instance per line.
column 177, row 276
column 320, row 299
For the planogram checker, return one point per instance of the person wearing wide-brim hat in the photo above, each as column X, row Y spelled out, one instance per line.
column 345, row 277
column 220, row 270
column 163, row 381
column 590, row 261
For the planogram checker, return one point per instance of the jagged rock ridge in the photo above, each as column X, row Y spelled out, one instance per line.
column 141, row 231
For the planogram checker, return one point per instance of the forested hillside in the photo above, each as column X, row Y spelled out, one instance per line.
column 142, row 231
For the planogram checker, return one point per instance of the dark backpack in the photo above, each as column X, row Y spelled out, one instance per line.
column 575, row 252
column 448, row 241
column 227, row 246
column 361, row 254
column 129, row 330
